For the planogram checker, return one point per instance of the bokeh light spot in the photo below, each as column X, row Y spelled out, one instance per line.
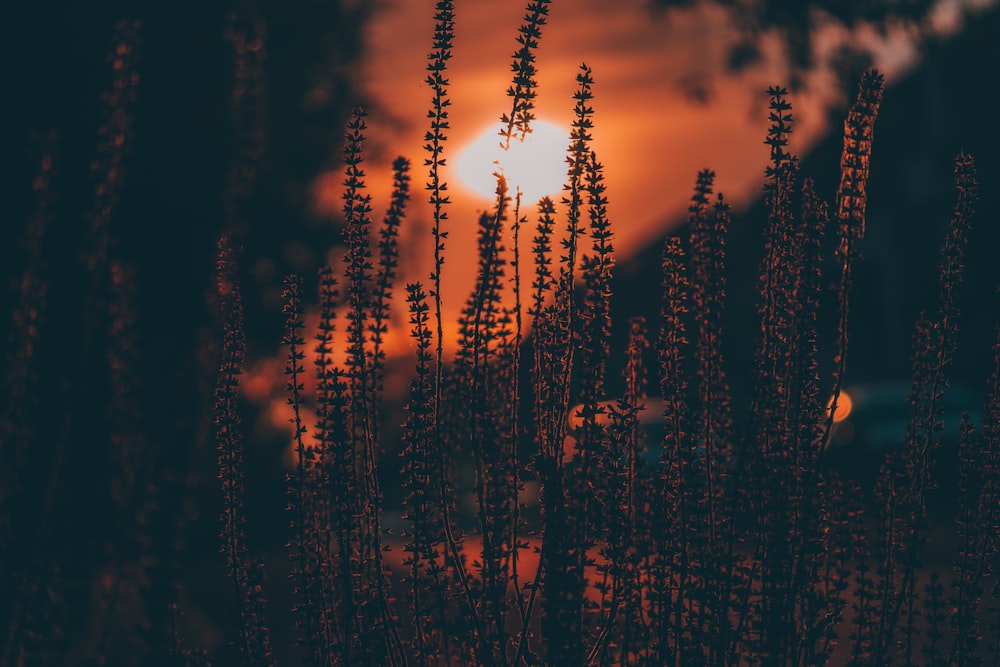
column 844, row 406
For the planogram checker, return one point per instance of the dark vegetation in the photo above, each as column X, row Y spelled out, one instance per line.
column 733, row 543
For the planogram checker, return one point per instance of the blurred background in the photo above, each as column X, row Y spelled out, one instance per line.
column 238, row 128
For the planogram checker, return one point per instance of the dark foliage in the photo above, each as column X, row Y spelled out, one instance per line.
column 666, row 530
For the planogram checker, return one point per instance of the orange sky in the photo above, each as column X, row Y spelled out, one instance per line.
column 651, row 138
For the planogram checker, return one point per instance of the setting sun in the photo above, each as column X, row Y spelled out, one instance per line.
column 537, row 165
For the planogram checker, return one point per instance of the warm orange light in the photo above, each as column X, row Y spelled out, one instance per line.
column 844, row 406
column 537, row 165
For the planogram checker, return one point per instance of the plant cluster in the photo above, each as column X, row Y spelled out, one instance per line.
column 720, row 543
column 716, row 545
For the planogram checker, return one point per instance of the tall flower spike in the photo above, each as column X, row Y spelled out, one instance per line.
column 434, row 138
column 522, row 88
column 429, row 586
column 482, row 394
column 564, row 579
column 542, row 314
column 777, row 279
column 852, row 201
column 776, row 383
column 444, row 35
column 330, row 470
column 388, row 261
column 579, row 154
column 780, row 128
column 340, row 506
column 228, row 427
column 358, row 268
column 592, row 468
column 255, row 642
column 906, row 477
column 626, row 539
column 669, row 585
column 378, row 616
column 542, row 251
column 852, row 196
column 302, row 489
column 114, row 139
column 20, row 380
column 595, row 333
column 513, row 396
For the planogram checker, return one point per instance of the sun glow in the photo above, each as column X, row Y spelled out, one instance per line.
column 537, row 165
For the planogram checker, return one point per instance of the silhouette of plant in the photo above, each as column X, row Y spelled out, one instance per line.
column 667, row 528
